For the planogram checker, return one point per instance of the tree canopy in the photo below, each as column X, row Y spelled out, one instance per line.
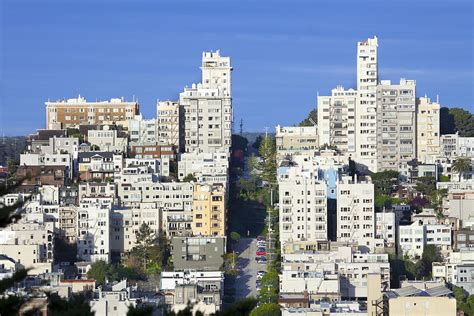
column 456, row 120
column 310, row 119
column 269, row 309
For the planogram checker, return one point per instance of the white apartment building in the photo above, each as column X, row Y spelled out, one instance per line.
column 453, row 146
column 29, row 244
column 355, row 211
column 142, row 131
column 58, row 145
column 337, row 119
column 303, row 206
column 127, row 221
column 206, row 167
column 94, row 222
column 366, row 110
column 169, row 122
column 207, row 107
column 108, row 139
column 45, row 159
column 352, row 269
column 96, row 190
column 413, row 238
column 428, row 130
column 291, row 140
column 114, row 301
column 386, row 228
column 458, row 269
column 396, row 124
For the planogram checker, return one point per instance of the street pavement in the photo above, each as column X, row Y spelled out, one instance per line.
column 248, row 267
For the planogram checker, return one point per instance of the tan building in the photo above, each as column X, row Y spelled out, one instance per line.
column 296, row 139
column 428, row 133
column 72, row 112
column 209, row 210
column 170, row 132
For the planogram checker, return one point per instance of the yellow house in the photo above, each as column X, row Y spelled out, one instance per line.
column 209, row 210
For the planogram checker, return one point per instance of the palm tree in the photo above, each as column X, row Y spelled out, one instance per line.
column 461, row 165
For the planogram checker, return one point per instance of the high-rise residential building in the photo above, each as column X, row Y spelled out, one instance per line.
column 72, row 112
column 170, row 123
column 366, row 110
column 209, row 210
column 207, row 107
column 355, row 211
column 428, row 133
column 303, row 206
column 337, row 119
column 396, row 124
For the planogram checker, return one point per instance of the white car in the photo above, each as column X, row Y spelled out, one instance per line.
column 260, row 274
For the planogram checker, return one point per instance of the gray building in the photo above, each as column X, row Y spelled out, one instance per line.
column 396, row 124
column 198, row 253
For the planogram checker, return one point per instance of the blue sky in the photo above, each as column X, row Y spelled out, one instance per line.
column 283, row 52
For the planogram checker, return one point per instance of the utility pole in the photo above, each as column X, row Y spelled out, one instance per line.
column 241, row 126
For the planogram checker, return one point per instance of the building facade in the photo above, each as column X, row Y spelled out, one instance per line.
column 396, row 124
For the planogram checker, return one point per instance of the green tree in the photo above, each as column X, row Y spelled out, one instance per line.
column 311, row 119
column 145, row 240
column 425, row 185
column 267, row 167
column 437, row 200
column 140, row 311
column 384, row 181
column 257, row 142
column 76, row 306
column 430, row 254
column 190, row 178
column 269, row 287
column 235, row 237
column 461, row 165
column 463, row 122
column 239, row 143
column 101, row 270
column 269, row 309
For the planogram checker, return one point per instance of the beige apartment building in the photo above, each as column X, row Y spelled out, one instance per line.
column 396, row 124
column 209, row 210
column 428, row 134
column 169, row 123
column 72, row 112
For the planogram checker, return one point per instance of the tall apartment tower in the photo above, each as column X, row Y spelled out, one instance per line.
column 337, row 119
column 303, row 207
column 428, row 133
column 366, row 121
column 169, row 115
column 396, row 124
column 207, row 107
column 355, row 211
column 72, row 112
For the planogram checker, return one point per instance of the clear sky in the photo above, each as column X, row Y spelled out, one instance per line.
column 283, row 52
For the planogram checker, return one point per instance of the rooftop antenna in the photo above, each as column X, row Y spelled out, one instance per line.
column 241, row 126
column 437, row 98
column 266, row 131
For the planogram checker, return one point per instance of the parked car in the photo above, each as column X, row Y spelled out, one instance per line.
column 260, row 238
column 261, row 253
column 257, row 286
column 260, row 274
column 262, row 260
column 261, row 244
